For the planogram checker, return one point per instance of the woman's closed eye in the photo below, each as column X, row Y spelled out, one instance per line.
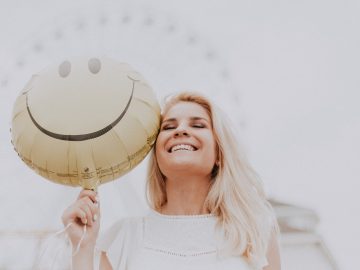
column 198, row 125
column 167, row 127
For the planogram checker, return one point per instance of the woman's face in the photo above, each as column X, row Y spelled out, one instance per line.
column 186, row 142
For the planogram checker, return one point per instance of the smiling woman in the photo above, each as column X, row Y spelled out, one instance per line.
column 186, row 143
column 208, row 208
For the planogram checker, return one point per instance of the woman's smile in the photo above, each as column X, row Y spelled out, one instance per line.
column 182, row 147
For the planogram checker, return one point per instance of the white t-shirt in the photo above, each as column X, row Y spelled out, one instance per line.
column 159, row 242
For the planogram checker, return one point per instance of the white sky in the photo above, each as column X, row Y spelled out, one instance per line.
column 293, row 65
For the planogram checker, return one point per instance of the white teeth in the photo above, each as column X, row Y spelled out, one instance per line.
column 182, row 147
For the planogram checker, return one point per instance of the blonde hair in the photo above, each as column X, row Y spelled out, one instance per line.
column 236, row 195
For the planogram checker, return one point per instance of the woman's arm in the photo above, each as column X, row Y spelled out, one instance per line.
column 104, row 262
column 83, row 259
column 83, row 212
column 273, row 254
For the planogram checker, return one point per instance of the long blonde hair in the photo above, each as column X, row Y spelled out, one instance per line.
column 236, row 195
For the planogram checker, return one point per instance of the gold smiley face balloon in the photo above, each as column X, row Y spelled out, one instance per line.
column 85, row 122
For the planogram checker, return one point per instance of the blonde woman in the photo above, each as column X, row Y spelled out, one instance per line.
column 208, row 208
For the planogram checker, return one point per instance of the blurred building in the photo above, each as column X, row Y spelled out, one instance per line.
column 301, row 246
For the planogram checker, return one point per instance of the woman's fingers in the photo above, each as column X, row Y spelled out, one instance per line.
column 90, row 209
column 84, row 209
column 81, row 214
column 89, row 193
column 88, row 215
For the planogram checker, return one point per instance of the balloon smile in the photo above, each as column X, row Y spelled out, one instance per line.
column 87, row 136
column 85, row 122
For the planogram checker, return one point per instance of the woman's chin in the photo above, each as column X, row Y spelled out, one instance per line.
column 182, row 160
column 187, row 167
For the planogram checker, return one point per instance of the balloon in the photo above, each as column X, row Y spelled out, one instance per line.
column 85, row 122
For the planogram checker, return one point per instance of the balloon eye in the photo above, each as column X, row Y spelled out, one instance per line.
column 94, row 65
column 64, row 69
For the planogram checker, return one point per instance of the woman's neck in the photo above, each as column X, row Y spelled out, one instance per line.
column 186, row 195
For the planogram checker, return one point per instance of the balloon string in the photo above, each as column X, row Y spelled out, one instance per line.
column 63, row 230
column 40, row 260
column 80, row 241
column 47, row 244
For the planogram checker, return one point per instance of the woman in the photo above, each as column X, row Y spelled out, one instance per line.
column 208, row 208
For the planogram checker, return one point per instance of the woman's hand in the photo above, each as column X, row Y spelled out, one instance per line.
column 84, row 211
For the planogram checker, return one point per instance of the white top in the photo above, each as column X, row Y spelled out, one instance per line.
column 159, row 242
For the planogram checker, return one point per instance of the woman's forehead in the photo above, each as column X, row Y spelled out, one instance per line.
column 185, row 109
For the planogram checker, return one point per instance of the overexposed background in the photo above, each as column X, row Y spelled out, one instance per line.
column 287, row 73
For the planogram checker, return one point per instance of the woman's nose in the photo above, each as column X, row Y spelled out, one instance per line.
column 181, row 132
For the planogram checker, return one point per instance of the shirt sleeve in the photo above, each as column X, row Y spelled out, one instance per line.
column 108, row 237
column 119, row 242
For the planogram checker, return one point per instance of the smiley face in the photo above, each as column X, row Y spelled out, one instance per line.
column 85, row 94
column 85, row 122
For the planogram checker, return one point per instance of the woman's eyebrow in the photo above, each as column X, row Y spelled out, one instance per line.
column 194, row 118
column 169, row 120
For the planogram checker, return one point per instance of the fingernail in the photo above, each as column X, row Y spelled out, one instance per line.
column 97, row 198
column 95, row 217
column 85, row 221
